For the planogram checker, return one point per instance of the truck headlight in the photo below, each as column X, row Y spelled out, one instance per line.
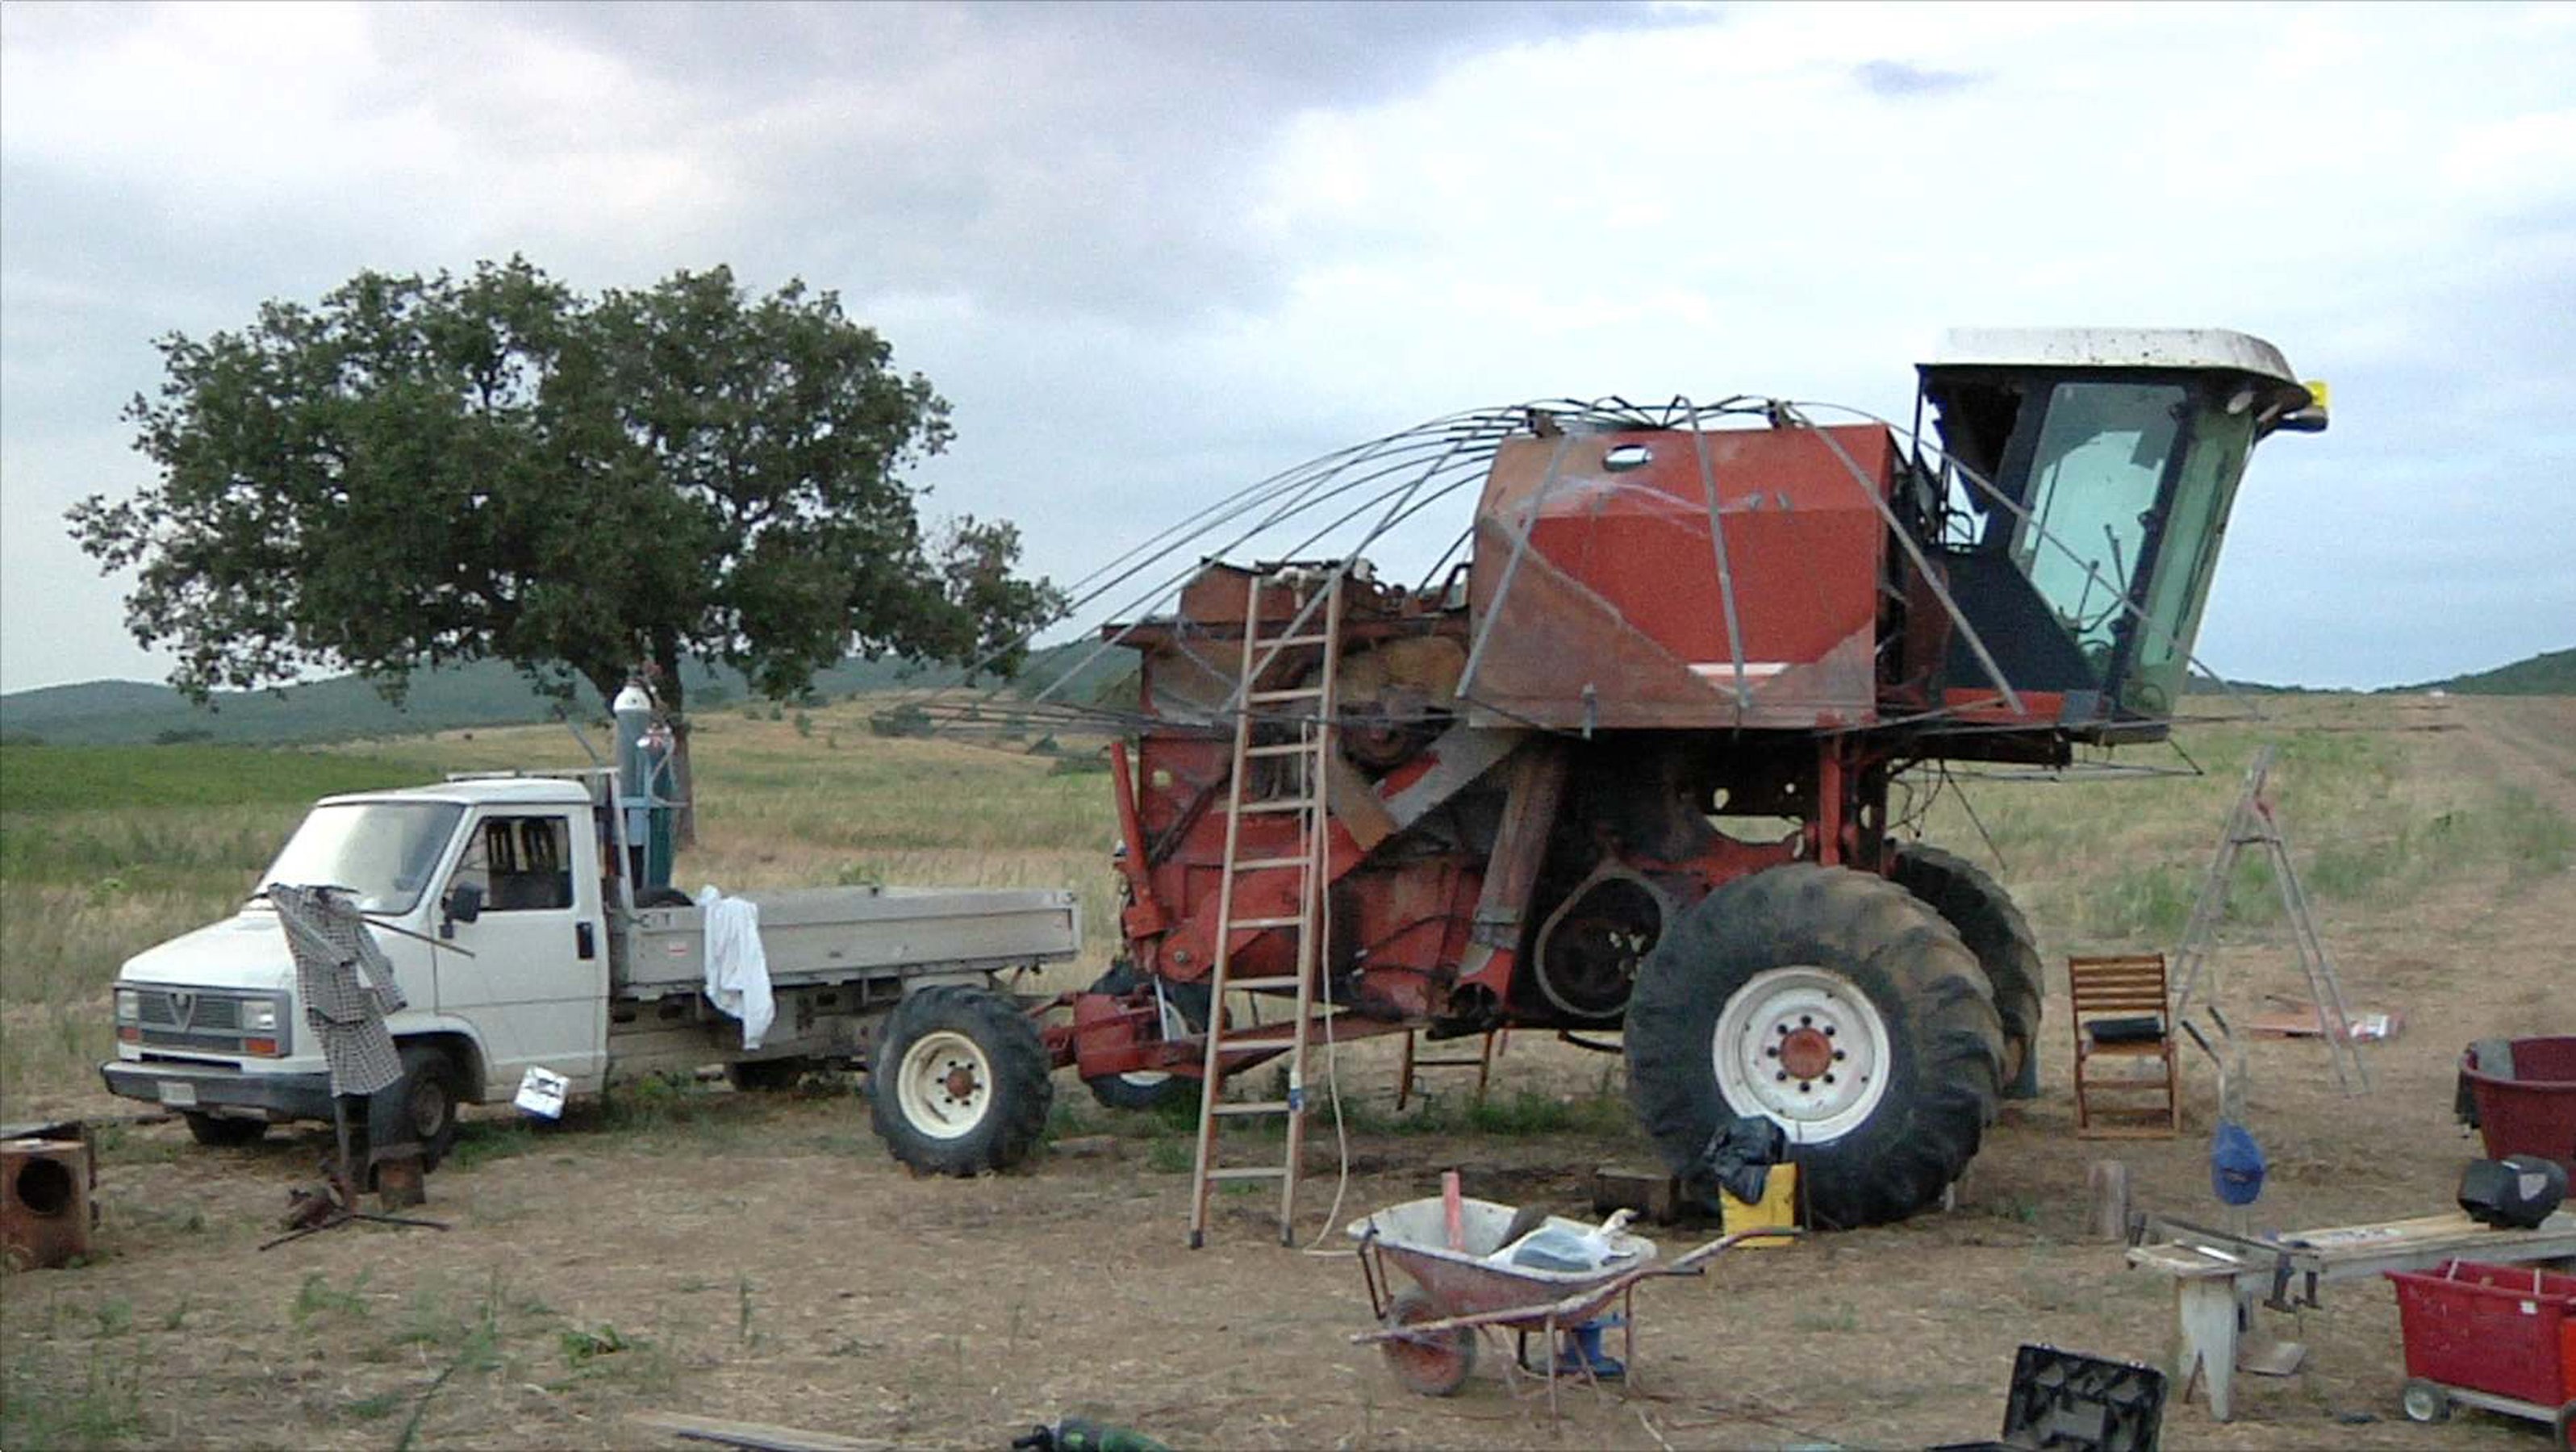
column 129, row 1006
column 260, row 1016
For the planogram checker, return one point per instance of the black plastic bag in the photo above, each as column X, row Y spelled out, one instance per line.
column 1738, row 1160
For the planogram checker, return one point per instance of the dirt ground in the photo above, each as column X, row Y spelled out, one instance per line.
column 759, row 1257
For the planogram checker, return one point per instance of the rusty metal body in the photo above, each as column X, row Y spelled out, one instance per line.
column 45, row 1207
column 1678, row 656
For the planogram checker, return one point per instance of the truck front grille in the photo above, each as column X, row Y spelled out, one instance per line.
column 189, row 1013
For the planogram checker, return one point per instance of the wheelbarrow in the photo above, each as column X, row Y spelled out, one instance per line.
column 1429, row 1331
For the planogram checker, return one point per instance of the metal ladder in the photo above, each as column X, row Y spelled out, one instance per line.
column 2253, row 823
column 1310, row 707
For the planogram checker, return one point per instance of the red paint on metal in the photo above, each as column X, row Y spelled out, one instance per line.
column 1612, row 582
column 1806, row 1053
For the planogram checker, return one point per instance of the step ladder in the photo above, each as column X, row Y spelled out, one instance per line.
column 2254, row 823
column 1312, row 635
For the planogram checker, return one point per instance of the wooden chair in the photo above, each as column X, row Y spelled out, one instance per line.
column 2121, row 1014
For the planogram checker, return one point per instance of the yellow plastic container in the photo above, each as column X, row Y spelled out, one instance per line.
column 1778, row 1206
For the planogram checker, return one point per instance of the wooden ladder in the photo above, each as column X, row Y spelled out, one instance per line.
column 1309, row 706
column 2253, row 823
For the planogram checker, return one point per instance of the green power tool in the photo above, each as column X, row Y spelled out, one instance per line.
column 1081, row 1434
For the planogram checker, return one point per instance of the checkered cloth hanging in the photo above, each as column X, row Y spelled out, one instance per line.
column 332, row 946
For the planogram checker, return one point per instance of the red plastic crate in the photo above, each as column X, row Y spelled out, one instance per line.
column 2506, row 1330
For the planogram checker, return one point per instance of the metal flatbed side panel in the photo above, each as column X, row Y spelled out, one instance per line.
column 831, row 934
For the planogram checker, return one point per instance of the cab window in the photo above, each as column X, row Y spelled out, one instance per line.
column 523, row 864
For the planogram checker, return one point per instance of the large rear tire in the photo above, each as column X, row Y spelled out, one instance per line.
column 1841, row 1007
column 960, row 1083
column 1971, row 901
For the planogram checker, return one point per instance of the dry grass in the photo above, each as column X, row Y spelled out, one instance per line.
column 761, row 1258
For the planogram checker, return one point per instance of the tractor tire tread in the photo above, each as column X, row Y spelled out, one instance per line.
column 1023, row 1081
column 1946, row 1039
column 1994, row 929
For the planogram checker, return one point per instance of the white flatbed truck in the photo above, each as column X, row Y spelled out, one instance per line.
column 508, row 905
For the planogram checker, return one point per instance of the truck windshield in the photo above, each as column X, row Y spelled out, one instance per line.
column 382, row 852
column 2094, row 479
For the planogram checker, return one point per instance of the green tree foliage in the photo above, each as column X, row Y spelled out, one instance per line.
column 417, row 471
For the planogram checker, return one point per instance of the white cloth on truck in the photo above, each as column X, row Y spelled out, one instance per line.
column 737, row 971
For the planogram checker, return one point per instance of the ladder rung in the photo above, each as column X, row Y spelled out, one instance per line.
column 1250, row 985
column 1280, row 640
column 1241, row 923
column 1276, row 804
column 1254, row 1106
column 1258, row 864
column 1249, row 1172
column 1291, row 693
column 1284, row 748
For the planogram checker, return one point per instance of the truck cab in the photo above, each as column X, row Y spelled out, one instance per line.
column 489, row 896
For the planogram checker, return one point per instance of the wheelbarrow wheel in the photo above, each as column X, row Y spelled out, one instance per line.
column 2425, row 1402
column 1436, row 1363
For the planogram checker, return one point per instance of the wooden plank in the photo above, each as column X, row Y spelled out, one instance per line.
column 760, row 1436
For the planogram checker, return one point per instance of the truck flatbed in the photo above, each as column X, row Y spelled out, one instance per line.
column 814, row 936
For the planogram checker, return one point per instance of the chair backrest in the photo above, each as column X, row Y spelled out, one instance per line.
column 2127, row 983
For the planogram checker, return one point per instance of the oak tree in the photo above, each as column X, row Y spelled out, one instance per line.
column 417, row 471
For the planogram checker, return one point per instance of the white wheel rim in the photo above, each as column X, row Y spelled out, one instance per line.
column 945, row 1085
column 1175, row 1026
column 1804, row 1047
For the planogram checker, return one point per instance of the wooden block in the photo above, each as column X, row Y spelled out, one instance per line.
column 1087, row 1147
column 1655, row 1196
column 2108, row 1183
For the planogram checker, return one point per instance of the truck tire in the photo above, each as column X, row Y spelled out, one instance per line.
column 223, row 1132
column 1184, row 1011
column 1994, row 930
column 959, row 1083
column 1846, row 979
column 431, row 1088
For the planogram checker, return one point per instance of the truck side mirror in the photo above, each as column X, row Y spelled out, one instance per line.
column 463, row 904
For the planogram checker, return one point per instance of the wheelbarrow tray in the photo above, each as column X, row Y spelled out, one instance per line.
column 1461, row 1282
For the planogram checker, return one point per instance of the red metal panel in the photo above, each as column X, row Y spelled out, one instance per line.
column 1618, row 589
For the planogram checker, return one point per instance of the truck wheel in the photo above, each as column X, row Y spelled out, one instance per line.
column 768, row 1076
column 1837, row 1005
column 223, row 1132
column 1184, row 1009
column 430, row 1090
column 959, row 1083
column 1995, row 931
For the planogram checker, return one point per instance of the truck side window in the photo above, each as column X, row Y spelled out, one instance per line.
column 523, row 864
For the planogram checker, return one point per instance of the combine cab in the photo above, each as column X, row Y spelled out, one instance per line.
column 1627, row 766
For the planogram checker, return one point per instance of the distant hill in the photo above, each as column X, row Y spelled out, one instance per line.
column 485, row 694
column 2550, row 673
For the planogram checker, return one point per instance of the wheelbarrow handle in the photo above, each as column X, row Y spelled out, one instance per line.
column 1688, row 1262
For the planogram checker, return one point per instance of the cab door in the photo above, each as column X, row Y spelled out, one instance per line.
column 536, row 986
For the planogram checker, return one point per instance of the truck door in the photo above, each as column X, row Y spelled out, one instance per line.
column 537, row 985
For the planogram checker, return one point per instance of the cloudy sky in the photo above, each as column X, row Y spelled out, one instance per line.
column 1154, row 253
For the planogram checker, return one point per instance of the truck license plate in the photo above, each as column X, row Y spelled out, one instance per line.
column 178, row 1095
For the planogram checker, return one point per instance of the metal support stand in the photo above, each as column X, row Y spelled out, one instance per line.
column 340, row 1199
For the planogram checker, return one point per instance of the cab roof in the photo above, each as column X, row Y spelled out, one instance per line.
column 2111, row 348
column 510, row 791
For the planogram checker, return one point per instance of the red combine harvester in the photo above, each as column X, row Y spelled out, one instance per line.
column 1627, row 766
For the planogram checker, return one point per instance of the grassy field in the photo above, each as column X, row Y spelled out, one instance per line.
column 2437, row 843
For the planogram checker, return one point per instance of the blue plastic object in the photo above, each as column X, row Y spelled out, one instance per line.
column 2235, row 1165
column 1583, row 1352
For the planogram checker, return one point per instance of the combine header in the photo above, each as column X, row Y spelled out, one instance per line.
column 1626, row 766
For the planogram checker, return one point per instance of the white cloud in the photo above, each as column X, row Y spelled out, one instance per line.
column 1153, row 254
